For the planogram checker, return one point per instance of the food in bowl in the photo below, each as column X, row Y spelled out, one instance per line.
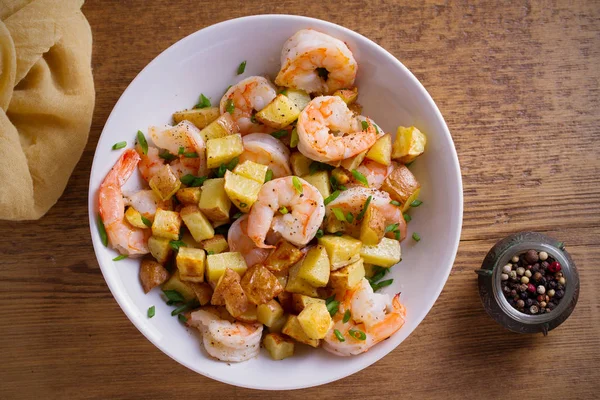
column 284, row 207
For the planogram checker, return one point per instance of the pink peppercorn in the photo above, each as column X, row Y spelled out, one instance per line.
column 554, row 266
column 531, row 288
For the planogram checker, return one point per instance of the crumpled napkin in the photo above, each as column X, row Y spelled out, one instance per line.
column 46, row 101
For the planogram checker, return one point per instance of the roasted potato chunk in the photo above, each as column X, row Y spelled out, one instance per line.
column 320, row 180
column 402, row 186
column 298, row 97
column 341, row 175
column 385, row 254
column 260, row 285
column 152, row 274
column 314, row 269
column 189, row 195
column 315, row 320
column 295, row 284
column 200, row 117
column 409, row 144
column 301, row 301
column 222, row 126
column 285, row 299
column 167, row 224
column 230, row 292
column 293, row 329
column 242, row 191
column 278, row 324
column 214, row 202
column 300, row 164
column 190, row 263
column 135, row 218
column 222, row 150
column 268, row 313
column 197, row 223
column 216, row 264
column 203, row 292
column 353, row 162
column 175, row 283
column 342, row 250
column 347, row 277
column 215, row 245
column 160, row 248
column 164, row 183
column 251, row 170
column 279, row 113
column 372, row 227
column 282, row 257
column 381, row 151
column 250, row 315
column 278, row 346
column 348, row 95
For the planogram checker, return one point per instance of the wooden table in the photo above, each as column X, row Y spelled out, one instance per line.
column 518, row 84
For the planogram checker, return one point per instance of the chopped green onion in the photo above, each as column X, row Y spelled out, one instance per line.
column 192, row 181
column 362, row 212
column 283, row 210
column 408, row 164
column 176, row 244
column 181, row 150
column 187, row 306
column 416, row 203
column 268, row 175
column 243, row 205
column 395, row 203
column 119, row 145
column 357, row 334
column 376, row 129
column 294, row 139
column 316, row 166
column 319, row 233
column 174, row 296
column 102, row 231
column 279, row 134
column 407, row 217
column 416, row 236
column 339, row 214
column 339, row 233
column 360, row 177
column 142, row 141
column 342, row 187
column 222, row 229
column 167, row 156
column 120, row 257
column 297, row 184
column 229, row 106
column 182, row 318
column 253, row 118
column 191, row 154
column 347, row 316
column 391, row 228
column 241, row 68
column 323, row 73
column 210, row 252
column 349, row 217
column 221, row 171
column 283, row 91
column 333, row 307
column 237, row 215
column 397, row 235
column 146, row 221
column 203, row 102
column 382, row 284
column 365, row 125
column 331, row 197
column 379, row 273
column 151, row 312
column 338, row 335
column 232, row 164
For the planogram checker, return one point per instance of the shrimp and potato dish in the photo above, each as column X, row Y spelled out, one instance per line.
column 271, row 219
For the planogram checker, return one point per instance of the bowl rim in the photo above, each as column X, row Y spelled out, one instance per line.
column 98, row 247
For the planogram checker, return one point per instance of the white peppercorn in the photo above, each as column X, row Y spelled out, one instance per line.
column 504, row 277
column 520, row 271
column 543, row 255
column 541, row 289
column 507, row 268
column 528, row 273
column 515, row 259
column 524, row 279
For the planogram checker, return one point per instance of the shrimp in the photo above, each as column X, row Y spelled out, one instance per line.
column 372, row 314
column 185, row 141
column 121, row 235
column 226, row 340
column 353, row 200
column 249, row 95
column 328, row 131
column 305, row 211
column 374, row 172
column 146, row 202
column 316, row 62
column 238, row 240
column 265, row 149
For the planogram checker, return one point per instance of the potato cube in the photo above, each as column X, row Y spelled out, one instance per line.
column 216, row 264
column 278, row 346
column 353, row 162
column 215, row 245
column 341, row 176
column 189, row 195
column 300, row 164
column 222, row 126
column 293, row 329
column 269, row 312
column 402, row 186
column 285, row 299
column 301, row 301
column 385, row 254
column 298, row 97
column 348, row 95
column 279, row 113
column 175, row 283
column 164, row 183
column 347, row 277
column 409, row 144
column 160, row 248
column 152, row 274
column 320, row 180
column 135, row 218
column 250, row 315
column 282, row 257
column 314, row 269
column 190, row 263
column 295, row 284
column 251, row 170
column 197, row 223
column 229, row 291
column 260, row 285
column 372, row 227
column 203, row 292
column 222, row 150
column 381, row 151
column 315, row 320
column 242, row 191
column 166, row 224
column 342, row 250
column 214, row 202
column 278, row 324
column 200, row 117
column 370, row 269
column 189, row 241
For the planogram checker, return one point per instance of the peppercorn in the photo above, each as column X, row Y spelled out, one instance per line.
column 559, row 294
column 540, row 297
column 520, row 271
column 550, row 306
column 543, row 255
column 523, row 295
column 554, row 267
column 520, row 304
column 551, row 293
column 547, row 298
column 541, row 289
column 515, row 259
column 513, row 293
column 531, row 256
column 534, row 309
column 528, row 273
column 544, row 264
column 524, row 279
column 543, row 304
column 537, row 276
column 562, row 280
column 522, row 287
column 542, row 281
column 507, row 268
column 504, row 277
column 506, row 289
column 560, row 287
column 528, row 302
column 531, row 288
column 513, row 275
column 552, row 284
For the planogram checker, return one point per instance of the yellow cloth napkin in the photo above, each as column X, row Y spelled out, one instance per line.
column 46, row 101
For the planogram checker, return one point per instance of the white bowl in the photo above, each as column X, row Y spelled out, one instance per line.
column 206, row 62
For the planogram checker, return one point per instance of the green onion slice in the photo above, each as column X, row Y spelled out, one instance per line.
column 297, row 184
column 357, row 334
column 241, row 68
column 360, row 177
column 119, row 145
column 142, row 141
column 102, row 231
column 338, row 335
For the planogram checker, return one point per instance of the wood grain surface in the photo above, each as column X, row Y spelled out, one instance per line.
column 518, row 83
